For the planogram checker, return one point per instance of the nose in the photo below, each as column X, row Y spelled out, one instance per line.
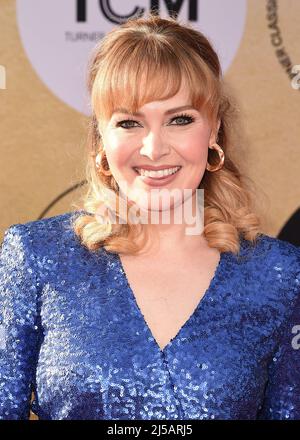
column 154, row 147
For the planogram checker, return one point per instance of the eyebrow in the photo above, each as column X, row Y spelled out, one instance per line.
column 168, row 112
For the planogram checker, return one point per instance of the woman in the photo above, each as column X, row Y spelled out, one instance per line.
column 107, row 317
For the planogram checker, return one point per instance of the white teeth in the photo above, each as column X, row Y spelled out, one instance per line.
column 160, row 173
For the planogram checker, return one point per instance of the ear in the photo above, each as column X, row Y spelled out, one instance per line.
column 214, row 133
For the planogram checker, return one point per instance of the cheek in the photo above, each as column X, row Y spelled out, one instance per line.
column 118, row 152
column 118, row 157
column 194, row 149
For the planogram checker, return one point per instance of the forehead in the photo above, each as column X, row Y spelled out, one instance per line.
column 150, row 93
column 178, row 102
column 167, row 112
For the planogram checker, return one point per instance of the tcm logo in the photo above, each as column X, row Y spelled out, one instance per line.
column 296, row 339
column 112, row 15
column 2, row 77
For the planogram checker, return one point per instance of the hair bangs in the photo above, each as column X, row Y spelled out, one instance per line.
column 150, row 71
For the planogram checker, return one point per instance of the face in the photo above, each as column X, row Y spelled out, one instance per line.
column 159, row 136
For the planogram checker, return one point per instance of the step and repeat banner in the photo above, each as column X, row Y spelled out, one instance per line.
column 44, row 106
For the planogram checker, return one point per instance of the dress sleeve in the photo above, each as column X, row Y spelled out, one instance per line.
column 282, row 393
column 18, row 323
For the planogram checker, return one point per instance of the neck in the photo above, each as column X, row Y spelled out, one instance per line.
column 178, row 229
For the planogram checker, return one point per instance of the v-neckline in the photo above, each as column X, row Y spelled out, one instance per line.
column 205, row 298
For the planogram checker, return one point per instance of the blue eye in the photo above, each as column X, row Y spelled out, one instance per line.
column 125, row 121
column 189, row 119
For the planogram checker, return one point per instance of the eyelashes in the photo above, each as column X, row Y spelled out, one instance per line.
column 188, row 118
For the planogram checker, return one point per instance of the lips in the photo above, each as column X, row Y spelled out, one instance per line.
column 157, row 181
column 156, row 168
column 140, row 169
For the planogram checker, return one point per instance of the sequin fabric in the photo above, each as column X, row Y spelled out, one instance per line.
column 72, row 332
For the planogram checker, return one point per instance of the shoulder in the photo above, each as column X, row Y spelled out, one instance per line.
column 271, row 252
column 50, row 247
column 47, row 225
column 273, row 265
column 48, row 230
column 43, row 239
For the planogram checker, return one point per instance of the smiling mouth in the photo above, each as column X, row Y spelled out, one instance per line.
column 157, row 175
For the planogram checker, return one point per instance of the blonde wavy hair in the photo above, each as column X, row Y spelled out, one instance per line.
column 162, row 51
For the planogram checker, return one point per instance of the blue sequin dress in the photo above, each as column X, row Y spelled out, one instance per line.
column 71, row 331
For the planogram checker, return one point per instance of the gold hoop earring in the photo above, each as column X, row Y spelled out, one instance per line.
column 221, row 154
column 99, row 163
